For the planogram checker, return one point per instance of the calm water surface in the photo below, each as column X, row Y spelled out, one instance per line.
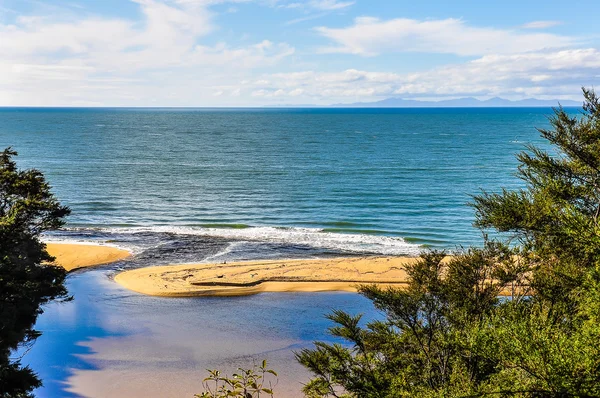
column 110, row 342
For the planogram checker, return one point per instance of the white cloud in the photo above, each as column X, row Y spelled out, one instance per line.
column 329, row 4
column 51, row 61
column 557, row 74
column 372, row 36
column 260, row 54
column 540, row 24
column 166, row 34
column 306, row 18
column 321, row 5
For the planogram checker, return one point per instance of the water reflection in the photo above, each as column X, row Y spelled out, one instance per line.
column 111, row 342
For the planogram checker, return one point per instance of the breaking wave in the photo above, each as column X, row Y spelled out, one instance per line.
column 313, row 237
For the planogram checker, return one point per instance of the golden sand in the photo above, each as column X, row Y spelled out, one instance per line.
column 251, row 277
column 74, row 256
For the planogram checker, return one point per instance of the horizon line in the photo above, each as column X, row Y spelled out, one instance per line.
column 349, row 106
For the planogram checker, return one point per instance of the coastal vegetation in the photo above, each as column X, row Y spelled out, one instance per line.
column 450, row 335
column 27, row 280
column 255, row 382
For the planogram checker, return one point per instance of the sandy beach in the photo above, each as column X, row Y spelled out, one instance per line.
column 251, row 277
column 75, row 256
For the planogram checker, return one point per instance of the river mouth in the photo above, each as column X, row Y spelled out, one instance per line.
column 112, row 342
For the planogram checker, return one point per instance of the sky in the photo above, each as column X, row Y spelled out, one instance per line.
column 226, row 53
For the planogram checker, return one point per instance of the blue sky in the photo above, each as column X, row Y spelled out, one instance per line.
column 271, row 52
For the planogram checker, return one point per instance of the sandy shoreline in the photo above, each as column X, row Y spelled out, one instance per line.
column 251, row 277
column 74, row 256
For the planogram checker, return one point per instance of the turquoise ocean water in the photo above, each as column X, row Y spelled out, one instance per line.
column 340, row 179
column 190, row 185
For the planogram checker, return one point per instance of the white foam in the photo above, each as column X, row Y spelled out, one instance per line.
column 355, row 243
column 85, row 242
column 222, row 253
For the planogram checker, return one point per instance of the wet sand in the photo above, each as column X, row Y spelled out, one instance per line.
column 75, row 256
column 251, row 277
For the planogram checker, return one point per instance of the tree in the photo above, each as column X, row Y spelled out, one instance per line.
column 422, row 347
column 557, row 216
column 27, row 279
column 448, row 335
column 549, row 342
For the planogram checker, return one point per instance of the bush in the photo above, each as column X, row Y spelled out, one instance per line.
column 246, row 383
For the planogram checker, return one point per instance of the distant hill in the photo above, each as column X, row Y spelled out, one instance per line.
column 468, row 102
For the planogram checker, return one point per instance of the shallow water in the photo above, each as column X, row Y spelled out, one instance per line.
column 110, row 342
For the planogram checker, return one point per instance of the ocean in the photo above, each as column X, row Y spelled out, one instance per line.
column 192, row 185
column 381, row 181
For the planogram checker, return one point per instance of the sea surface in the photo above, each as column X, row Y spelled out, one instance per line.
column 192, row 185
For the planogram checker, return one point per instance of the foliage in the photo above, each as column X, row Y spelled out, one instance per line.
column 448, row 335
column 27, row 208
column 549, row 343
column 422, row 346
column 246, row 383
column 557, row 217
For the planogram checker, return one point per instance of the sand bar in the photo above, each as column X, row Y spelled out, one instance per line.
column 251, row 277
column 74, row 256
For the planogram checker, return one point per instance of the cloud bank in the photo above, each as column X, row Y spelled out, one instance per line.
column 543, row 75
column 372, row 36
column 173, row 53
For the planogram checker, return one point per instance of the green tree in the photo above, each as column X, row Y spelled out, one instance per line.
column 557, row 216
column 27, row 281
column 549, row 343
column 449, row 335
column 422, row 347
